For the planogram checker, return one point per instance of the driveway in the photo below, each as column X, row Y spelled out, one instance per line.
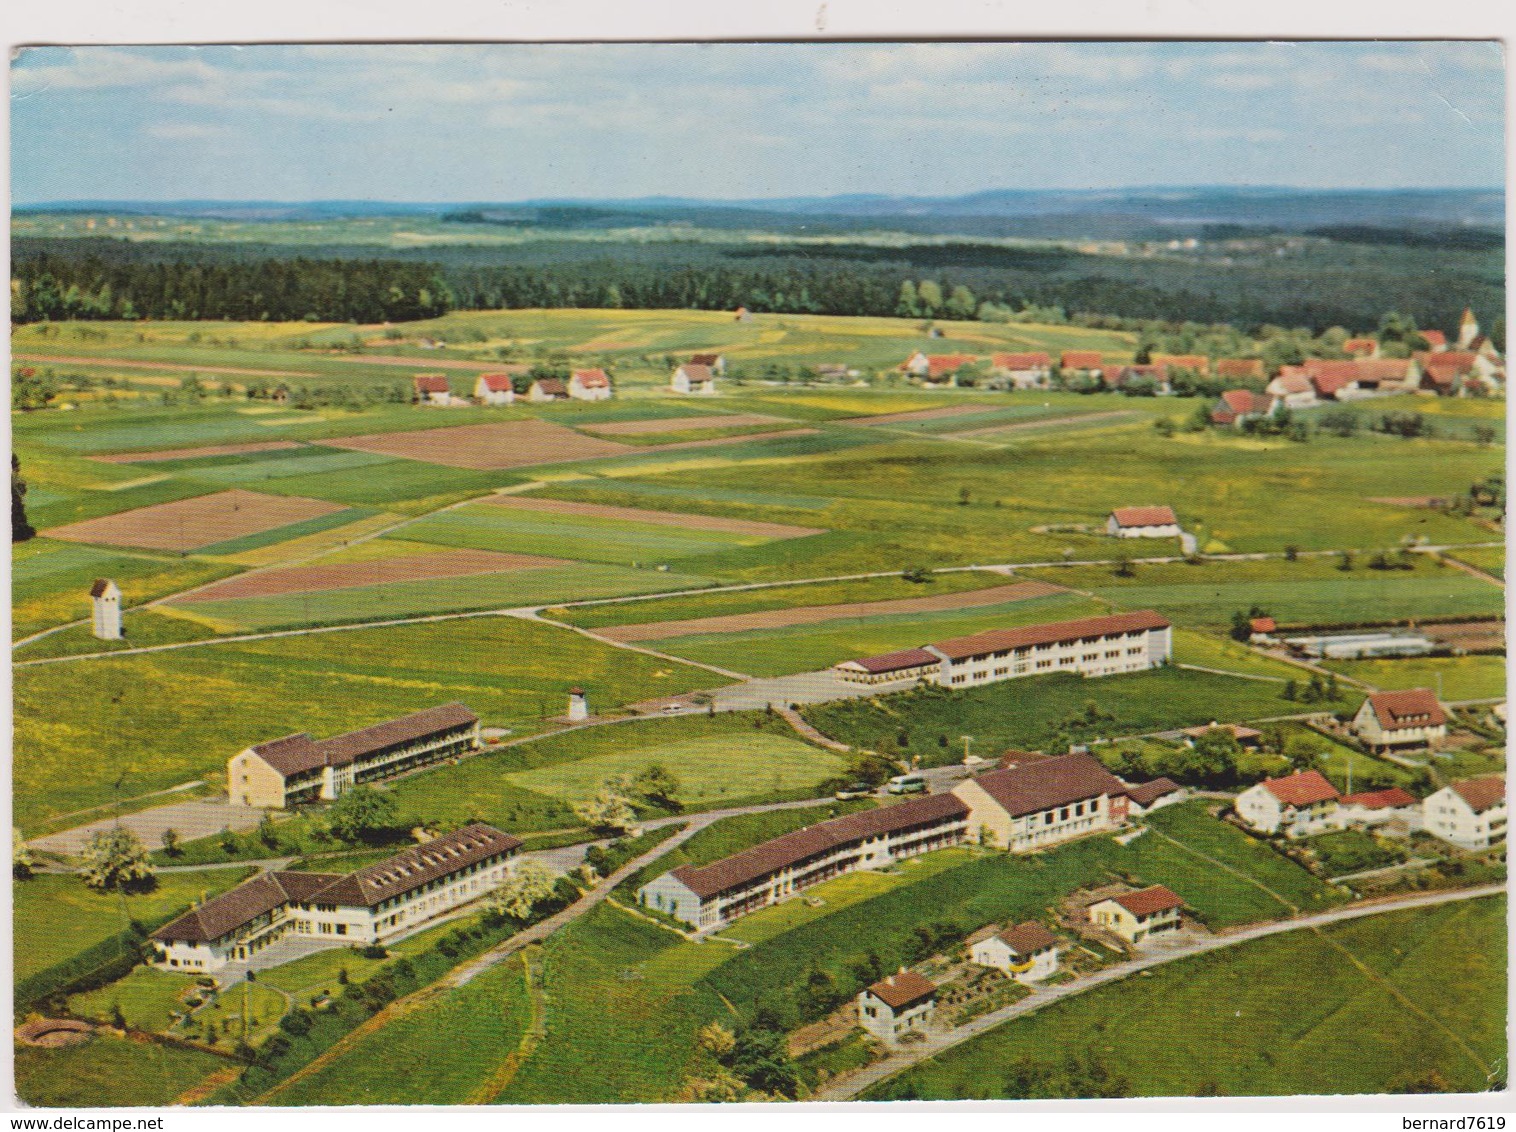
column 804, row 688
column 188, row 819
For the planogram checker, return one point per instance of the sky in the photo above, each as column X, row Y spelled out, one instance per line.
column 451, row 122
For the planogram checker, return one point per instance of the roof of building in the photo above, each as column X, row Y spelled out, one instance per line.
column 1013, row 757
column 1263, row 624
column 100, row 586
column 1434, row 337
column 1242, row 401
column 1145, row 516
column 1293, row 380
column 552, row 386
column 1383, row 369
column 1146, row 901
column 705, row 359
column 1329, row 376
column 1020, row 361
column 1392, row 799
column 938, row 364
column 1028, row 938
column 432, row 383
column 1080, row 359
column 1237, row 731
column 1045, row 783
column 416, row 866
column 1301, row 789
column 779, row 852
column 895, row 661
column 249, row 900
column 697, row 373
column 997, row 640
column 1480, row 793
column 1197, row 362
column 593, row 378
column 903, row 989
column 1239, row 367
column 1413, row 707
column 296, row 753
column 1360, row 346
column 497, row 382
column 1146, row 793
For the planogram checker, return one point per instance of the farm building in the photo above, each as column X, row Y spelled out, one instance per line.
column 1142, row 522
column 1297, row 805
column 1043, row 802
column 1027, row 952
column 1469, row 813
column 897, row 1005
column 1116, row 375
column 1146, row 797
column 1092, row 646
column 1361, row 347
column 1361, row 646
column 494, row 389
column 105, row 616
column 1023, row 371
column 916, row 365
column 1234, row 369
column 1077, row 362
column 371, row 905
column 716, row 363
column 1136, row 916
column 589, row 385
column 546, row 389
column 1237, row 406
column 1411, row 719
column 432, row 389
column 695, row 380
column 1196, row 363
column 298, row 769
column 1261, row 630
column 942, row 369
column 716, row 894
column 906, row 664
column 1294, row 387
column 1378, row 807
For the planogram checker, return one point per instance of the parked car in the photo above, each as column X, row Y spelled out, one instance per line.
column 907, row 784
column 856, row 790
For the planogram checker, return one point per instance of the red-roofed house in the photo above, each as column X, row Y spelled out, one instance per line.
column 692, row 378
column 1116, row 375
column 590, row 385
column 1408, row 719
column 1235, row 368
column 432, row 389
column 1142, row 522
column 1333, row 380
column 942, row 369
column 1261, row 629
column 497, row 388
column 1023, row 371
column 1297, row 805
column 1361, row 347
column 1079, row 361
column 716, row 363
column 897, row 1005
column 546, row 389
column 1294, row 387
column 1436, row 339
column 916, row 365
column 1469, row 813
column 1136, row 916
column 1148, row 796
column 1376, row 807
column 1027, row 952
column 1445, row 371
column 1198, row 363
column 1239, row 405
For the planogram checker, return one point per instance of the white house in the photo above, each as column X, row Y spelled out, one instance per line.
column 589, row 385
column 695, row 380
column 1293, row 387
column 897, row 1005
column 494, row 389
column 546, row 389
column 433, row 389
column 1145, row 797
column 917, row 365
column 1142, row 522
column 716, row 363
column 1399, row 720
column 1469, row 813
column 1136, row 916
column 1027, row 952
column 1378, row 807
column 105, row 596
column 368, row 906
column 1297, row 805
column 1023, row 371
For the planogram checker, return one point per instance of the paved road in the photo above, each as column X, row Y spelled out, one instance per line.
column 938, row 1042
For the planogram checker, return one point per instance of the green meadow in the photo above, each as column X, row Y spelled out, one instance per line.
column 110, row 1072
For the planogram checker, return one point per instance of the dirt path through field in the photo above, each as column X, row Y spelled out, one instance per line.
column 814, row 614
column 1046, row 422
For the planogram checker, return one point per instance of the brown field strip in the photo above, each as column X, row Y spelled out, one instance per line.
column 122, row 363
column 660, row 518
column 1049, row 422
column 374, row 572
column 192, row 523
column 1473, row 636
column 918, row 415
column 196, row 453
column 488, row 447
column 783, row 434
column 680, row 424
column 814, row 614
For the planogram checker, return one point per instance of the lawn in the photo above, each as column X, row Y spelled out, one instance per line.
column 1488, row 558
column 709, row 771
column 804, row 648
column 1211, row 650
column 110, row 1072
column 466, row 1032
column 57, row 916
column 148, row 996
column 1039, row 711
column 1477, row 677
column 139, row 628
column 1343, row 1032
column 165, row 718
column 574, row 582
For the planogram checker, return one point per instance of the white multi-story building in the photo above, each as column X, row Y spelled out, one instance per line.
column 1469, row 813
column 716, row 894
column 369, row 906
column 1093, row 646
column 1038, row 804
column 1409, row 719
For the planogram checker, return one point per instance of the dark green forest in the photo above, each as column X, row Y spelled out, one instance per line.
column 1323, row 283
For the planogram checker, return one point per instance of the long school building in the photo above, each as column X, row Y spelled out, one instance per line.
column 369, row 906
column 716, row 894
column 1092, row 646
column 298, row 769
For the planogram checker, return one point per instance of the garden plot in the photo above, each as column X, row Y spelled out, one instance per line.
column 190, row 524
column 488, row 447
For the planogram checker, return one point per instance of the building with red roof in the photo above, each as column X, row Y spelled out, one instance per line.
column 897, row 1005
column 1435, row 339
column 1361, row 347
column 1198, row 363
column 1023, row 371
column 1140, row 915
column 432, row 389
column 1294, row 387
column 1027, row 952
column 1377, row 807
column 499, row 388
column 1079, row 361
column 886, row 668
column 1409, row 719
column 1044, row 802
column 942, row 369
column 1297, row 805
column 589, row 385
column 1237, row 406
column 1239, row 368
column 1469, row 813
column 1142, row 522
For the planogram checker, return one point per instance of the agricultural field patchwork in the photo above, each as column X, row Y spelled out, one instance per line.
column 200, row 523
column 487, row 447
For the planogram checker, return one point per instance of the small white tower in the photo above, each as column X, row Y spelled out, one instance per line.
column 107, row 598
column 1468, row 329
column 579, row 705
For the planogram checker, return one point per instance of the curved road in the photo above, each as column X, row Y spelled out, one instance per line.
column 937, row 1043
